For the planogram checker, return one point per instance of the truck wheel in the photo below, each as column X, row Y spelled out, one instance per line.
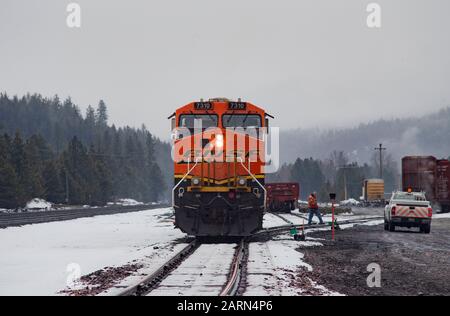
column 391, row 227
column 386, row 225
column 427, row 229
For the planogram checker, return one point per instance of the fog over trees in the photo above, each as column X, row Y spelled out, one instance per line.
column 50, row 150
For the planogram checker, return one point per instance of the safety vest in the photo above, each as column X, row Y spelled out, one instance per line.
column 312, row 202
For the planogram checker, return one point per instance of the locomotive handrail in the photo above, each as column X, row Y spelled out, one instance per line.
column 257, row 181
column 182, row 179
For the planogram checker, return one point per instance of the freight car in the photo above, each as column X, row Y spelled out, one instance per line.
column 430, row 175
column 219, row 148
column 443, row 184
column 373, row 192
column 282, row 197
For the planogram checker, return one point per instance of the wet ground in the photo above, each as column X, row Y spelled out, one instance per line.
column 411, row 263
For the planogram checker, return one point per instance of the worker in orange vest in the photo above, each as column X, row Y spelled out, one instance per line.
column 313, row 208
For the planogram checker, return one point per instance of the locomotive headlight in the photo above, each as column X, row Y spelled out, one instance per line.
column 219, row 141
column 242, row 182
column 196, row 181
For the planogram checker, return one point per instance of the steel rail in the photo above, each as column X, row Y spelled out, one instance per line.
column 232, row 286
column 149, row 283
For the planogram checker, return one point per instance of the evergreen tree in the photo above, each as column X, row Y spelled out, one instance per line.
column 9, row 186
column 102, row 113
column 54, row 182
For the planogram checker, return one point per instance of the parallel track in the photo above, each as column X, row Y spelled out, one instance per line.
column 26, row 218
column 282, row 218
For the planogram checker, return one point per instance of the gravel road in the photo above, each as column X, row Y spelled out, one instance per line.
column 411, row 263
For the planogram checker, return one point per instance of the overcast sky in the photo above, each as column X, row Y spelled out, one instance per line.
column 310, row 63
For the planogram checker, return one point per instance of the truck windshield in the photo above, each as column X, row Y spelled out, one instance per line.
column 241, row 120
column 207, row 120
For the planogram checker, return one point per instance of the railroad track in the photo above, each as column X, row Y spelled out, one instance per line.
column 149, row 283
column 180, row 277
column 277, row 230
column 282, row 218
column 26, row 218
column 300, row 216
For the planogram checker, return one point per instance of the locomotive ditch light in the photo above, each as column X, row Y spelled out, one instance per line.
column 241, row 182
column 196, row 181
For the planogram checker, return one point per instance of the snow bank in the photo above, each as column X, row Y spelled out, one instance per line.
column 352, row 202
column 442, row 215
column 126, row 202
column 38, row 204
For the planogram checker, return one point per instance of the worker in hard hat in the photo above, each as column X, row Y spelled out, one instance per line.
column 313, row 208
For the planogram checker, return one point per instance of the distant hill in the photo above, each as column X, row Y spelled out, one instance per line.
column 426, row 135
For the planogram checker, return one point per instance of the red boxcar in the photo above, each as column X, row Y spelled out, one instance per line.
column 419, row 174
column 443, row 184
column 282, row 197
column 426, row 173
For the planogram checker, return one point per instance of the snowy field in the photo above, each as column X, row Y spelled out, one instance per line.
column 39, row 259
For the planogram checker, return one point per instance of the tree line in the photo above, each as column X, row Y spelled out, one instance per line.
column 335, row 174
column 49, row 150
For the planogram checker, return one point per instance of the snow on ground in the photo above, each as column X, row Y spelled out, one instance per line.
column 271, row 220
column 203, row 273
column 350, row 202
column 36, row 258
column 126, row 202
column 38, row 204
column 277, row 265
column 442, row 215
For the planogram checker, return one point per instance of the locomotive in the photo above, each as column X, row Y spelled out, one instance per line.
column 219, row 157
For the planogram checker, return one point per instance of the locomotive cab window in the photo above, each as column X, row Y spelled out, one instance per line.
column 207, row 120
column 241, row 120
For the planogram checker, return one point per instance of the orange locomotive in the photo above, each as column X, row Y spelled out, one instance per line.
column 219, row 168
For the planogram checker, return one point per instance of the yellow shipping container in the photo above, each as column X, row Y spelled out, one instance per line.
column 373, row 190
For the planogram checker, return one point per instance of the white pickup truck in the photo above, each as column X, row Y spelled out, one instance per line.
column 408, row 209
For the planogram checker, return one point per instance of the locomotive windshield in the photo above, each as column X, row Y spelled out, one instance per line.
column 241, row 120
column 207, row 120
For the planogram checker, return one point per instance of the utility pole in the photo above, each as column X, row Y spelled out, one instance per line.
column 344, row 169
column 381, row 148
